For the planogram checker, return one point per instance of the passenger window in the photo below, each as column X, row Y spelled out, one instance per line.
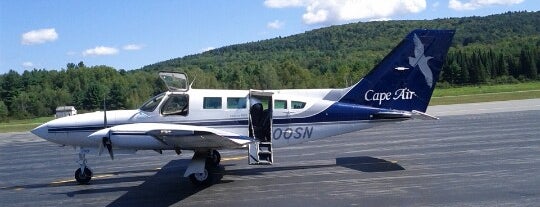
column 176, row 104
column 212, row 103
column 280, row 104
column 236, row 103
column 297, row 104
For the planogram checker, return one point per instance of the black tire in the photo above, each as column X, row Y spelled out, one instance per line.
column 83, row 178
column 215, row 158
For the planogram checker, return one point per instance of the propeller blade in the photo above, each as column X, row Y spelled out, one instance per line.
column 108, row 144
column 100, row 148
column 109, row 148
column 104, row 112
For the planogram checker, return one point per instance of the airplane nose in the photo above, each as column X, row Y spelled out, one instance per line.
column 41, row 131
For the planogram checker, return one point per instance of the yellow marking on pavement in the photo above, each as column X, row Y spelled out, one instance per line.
column 103, row 176
column 73, row 180
column 12, row 188
column 393, row 161
column 62, row 182
column 233, row 158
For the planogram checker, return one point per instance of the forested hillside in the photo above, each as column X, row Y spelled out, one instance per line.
column 338, row 56
column 492, row 49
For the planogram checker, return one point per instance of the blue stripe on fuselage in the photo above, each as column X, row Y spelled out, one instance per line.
column 337, row 112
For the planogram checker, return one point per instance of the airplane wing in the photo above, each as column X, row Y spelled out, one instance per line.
column 187, row 137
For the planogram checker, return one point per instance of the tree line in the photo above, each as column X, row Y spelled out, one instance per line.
column 37, row 93
column 502, row 48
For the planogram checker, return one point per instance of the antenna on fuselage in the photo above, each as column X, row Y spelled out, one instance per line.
column 193, row 81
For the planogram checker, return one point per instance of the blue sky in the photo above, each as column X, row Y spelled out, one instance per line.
column 48, row 34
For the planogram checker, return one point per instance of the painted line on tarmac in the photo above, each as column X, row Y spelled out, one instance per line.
column 486, row 94
column 56, row 183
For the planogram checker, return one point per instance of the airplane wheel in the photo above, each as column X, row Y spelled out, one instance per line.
column 215, row 158
column 212, row 174
column 83, row 178
column 201, row 179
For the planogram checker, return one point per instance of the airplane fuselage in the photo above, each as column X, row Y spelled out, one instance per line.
column 298, row 115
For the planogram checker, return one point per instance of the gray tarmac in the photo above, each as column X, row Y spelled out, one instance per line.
column 470, row 157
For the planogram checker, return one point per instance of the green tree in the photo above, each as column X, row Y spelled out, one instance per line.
column 3, row 112
column 94, row 96
column 11, row 86
column 268, row 78
column 528, row 64
column 20, row 106
column 118, row 98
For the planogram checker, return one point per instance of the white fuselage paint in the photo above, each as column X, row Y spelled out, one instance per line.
column 74, row 130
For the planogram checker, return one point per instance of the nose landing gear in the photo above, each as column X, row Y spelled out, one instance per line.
column 83, row 174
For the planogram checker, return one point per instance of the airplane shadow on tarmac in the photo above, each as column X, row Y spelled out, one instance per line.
column 362, row 163
column 168, row 186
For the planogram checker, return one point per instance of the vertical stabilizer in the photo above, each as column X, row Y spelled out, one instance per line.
column 406, row 77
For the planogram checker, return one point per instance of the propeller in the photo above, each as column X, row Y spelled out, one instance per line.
column 106, row 141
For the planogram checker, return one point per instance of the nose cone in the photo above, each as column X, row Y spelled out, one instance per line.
column 41, row 131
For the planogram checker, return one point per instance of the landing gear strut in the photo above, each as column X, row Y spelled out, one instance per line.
column 211, row 171
column 83, row 174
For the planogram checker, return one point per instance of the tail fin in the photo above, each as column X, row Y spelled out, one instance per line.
column 406, row 77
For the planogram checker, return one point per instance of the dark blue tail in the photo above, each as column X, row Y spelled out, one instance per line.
column 405, row 78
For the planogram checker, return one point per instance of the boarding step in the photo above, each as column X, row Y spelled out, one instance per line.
column 260, row 153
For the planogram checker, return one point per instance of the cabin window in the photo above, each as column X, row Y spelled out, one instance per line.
column 212, row 103
column 280, row 104
column 236, row 103
column 297, row 104
column 176, row 104
column 151, row 104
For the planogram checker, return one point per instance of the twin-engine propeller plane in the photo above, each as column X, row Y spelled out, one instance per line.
column 205, row 121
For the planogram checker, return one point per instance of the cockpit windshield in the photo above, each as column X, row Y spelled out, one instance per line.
column 151, row 104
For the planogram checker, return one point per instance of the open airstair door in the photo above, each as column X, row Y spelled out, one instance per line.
column 260, row 127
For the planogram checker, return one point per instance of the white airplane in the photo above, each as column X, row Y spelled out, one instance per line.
column 205, row 121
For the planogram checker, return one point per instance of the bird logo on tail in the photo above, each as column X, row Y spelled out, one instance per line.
column 421, row 61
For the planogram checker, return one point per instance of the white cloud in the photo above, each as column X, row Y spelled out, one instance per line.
column 380, row 20
column 28, row 64
column 336, row 11
column 39, row 36
column 207, row 49
column 100, row 50
column 132, row 47
column 284, row 3
column 476, row 4
column 276, row 24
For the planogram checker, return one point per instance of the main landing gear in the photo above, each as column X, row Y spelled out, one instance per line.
column 210, row 173
column 83, row 174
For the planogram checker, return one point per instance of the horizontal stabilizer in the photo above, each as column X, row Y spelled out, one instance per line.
column 423, row 116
